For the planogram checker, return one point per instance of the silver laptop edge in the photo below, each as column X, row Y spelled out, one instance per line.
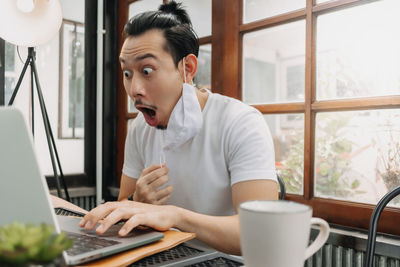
column 24, row 194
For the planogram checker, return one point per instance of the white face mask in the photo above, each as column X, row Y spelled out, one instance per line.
column 185, row 121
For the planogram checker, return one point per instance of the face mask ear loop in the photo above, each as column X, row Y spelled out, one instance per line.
column 184, row 70
column 162, row 154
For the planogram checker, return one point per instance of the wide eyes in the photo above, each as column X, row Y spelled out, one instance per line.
column 127, row 73
column 147, row 70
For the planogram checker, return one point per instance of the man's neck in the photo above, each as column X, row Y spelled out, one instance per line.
column 202, row 96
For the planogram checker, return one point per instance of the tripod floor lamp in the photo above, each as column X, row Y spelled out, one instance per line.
column 31, row 23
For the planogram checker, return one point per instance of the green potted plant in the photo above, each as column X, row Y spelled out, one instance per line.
column 25, row 243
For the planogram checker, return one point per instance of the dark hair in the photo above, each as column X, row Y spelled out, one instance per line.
column 175, row 24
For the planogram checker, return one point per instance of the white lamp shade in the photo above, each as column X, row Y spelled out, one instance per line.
column 32, row 28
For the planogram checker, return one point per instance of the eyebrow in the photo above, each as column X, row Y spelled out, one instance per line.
column 139, row 58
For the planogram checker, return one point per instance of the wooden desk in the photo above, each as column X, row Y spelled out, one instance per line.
column 170, row 240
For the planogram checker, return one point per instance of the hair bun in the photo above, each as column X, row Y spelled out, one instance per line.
column 176, row 9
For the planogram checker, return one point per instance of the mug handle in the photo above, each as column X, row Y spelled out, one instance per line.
column 321, row 238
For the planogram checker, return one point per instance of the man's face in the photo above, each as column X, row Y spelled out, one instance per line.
column 150, row 77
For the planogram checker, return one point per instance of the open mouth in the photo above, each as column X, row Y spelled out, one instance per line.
column 149, row 115
column 150, row 112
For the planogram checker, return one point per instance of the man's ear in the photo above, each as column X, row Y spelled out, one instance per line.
column 190, row 67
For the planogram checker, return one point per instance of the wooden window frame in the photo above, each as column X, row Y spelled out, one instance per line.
column 334, row 211
column 226, row 41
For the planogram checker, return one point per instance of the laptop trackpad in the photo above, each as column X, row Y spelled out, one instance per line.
column 71, row 224
column 113, row 231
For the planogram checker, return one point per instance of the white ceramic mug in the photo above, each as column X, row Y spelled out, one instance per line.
column 276, row 233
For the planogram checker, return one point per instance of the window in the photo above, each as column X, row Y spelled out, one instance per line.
column 200, row 14
column 327, row 79
column 203, row 75
column 288, row 136
column 347, row 45
column 260, row 9
column 60, row 64
column 357, row 154
column 274, row 64
column 72, row 80
column 10, row 73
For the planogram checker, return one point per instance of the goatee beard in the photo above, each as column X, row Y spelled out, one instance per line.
column 161, row 127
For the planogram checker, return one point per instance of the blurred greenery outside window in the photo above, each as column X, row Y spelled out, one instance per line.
column 287, row 131
column 356, row 153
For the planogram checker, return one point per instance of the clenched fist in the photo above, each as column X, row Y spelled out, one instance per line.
column 149, row 186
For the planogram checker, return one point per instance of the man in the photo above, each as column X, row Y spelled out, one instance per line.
column 191, row 156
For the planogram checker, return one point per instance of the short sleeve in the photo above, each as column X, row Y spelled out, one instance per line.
column 133, row 162
column 251, row 153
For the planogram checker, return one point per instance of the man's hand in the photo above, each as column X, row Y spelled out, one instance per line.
column 160, row 218
column 148, row 185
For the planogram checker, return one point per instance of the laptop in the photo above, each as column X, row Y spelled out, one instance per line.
column 24, row 197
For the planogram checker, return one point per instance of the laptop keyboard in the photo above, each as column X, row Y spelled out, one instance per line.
column 217, row 262
column 86, row 243
column 67, row 212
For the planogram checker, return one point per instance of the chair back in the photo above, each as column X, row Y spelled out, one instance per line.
column 373, row 225
column 282, row 187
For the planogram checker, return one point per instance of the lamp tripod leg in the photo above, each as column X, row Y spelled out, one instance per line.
column 61, row 176
column 32, row 103
column 49, row 134
column 50, row 138
column 64, row 184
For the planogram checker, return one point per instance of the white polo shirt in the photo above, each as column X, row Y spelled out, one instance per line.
column 233, row 145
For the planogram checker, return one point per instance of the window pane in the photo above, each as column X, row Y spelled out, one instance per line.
column 358, row 56
column 274, row 64
column 48, row 62
column 9, row 57
column 200, row 14
column 142, row 6
column 72, row 80
column 288, row 134
column 10, row 74
column 203, row 76
column 357, row 154
column 260, row 9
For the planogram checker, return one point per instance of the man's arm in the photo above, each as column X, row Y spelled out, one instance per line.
column 127, row 187
column 220, row 232
column 149, row 187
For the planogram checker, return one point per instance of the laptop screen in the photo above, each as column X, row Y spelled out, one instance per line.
column 24, row 195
